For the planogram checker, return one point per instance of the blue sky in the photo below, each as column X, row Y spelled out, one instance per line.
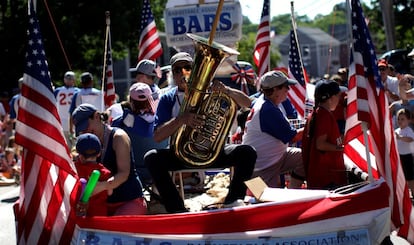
column 253, row 8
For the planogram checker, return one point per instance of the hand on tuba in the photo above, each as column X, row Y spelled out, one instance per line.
column 218, row 86
column 192, row 119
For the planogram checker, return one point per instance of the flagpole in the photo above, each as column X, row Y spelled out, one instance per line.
column 296, row 37
column 369, row 168
column 364, row 125
column 108, row 23
column 270, row 43
column 216, row 19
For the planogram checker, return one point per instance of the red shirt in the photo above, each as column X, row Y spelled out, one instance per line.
column 97, row 203
column 324, row 169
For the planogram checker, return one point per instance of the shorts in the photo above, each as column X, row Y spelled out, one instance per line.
column 136, row 206
column 407, row 163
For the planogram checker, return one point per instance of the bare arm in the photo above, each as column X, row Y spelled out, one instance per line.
column 121, row 145
column 169, row 128
column 238, row 96
column 298, row 136
column 323, row 145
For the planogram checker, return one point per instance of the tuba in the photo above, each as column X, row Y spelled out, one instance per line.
column 199, row 147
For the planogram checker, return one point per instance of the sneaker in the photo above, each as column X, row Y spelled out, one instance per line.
column 237, row 203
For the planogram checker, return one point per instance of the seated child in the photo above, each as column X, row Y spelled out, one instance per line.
column 88, row 147
column 8, row 164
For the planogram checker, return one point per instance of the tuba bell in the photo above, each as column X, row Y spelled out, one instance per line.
column 199, row 147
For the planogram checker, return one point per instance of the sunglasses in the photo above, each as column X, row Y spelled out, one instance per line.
column 382, row 68
column 179, row 69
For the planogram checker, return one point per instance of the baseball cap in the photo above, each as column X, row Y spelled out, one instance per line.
column 181, row 56
column 81, row 115
column 382, row 62
column 325, row 89
column 86, row 77
column 70, row 75
column 88, row 145
column 275, row 78
column 146, row 67
column 140, row 91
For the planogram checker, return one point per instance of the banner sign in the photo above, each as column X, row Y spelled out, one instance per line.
column 344, row 237
column 198, row 19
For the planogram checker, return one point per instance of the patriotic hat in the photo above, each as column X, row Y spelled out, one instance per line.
column 146, row 67
column 275, row 78
column 88, row 145
column 81, row 116
column 325, row 89
column 142, row 92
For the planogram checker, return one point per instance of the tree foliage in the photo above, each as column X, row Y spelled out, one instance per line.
column 81, row 28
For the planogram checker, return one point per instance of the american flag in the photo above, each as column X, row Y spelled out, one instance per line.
column 297, row 93
column 49, row 187
column 109, row 85
column 368, row 103
column 261, row 55
column 149, row 42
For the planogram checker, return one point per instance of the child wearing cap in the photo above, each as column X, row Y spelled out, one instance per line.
column 138, row 121
column 88, row 147
column 322, row 148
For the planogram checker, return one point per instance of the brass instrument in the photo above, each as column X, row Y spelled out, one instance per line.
column 199, row 147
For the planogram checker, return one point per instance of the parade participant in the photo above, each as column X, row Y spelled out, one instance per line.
column 405, row 138
column 8, row 164
column 86, row 94
column 138, row 122
column 160, row 162
column 88, row 148
column 340, row 110
column 322, row 148
column 390, row 83
column 268, row 130
column 64, row 96
column 146, row 72
column 127, row 197
column 14, row 102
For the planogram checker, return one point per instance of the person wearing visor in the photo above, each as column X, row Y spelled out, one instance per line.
column 146, row 72
column 116, row 155
column 269, row 132
column 322, row 147
column 138, row 123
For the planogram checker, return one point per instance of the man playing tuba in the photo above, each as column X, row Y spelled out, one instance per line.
column 161, row 161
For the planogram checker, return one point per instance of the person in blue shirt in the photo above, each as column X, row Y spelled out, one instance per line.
column 138, row 122
column 160, row 162
column 270, row 133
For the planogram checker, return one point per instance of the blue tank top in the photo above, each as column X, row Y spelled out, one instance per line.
column 131, row 188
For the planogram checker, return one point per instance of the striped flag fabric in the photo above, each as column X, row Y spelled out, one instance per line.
column 367, row 103
column 261, row 55
column 48, row 192
column 297, row 93
column 109, row 85
column 149, row 42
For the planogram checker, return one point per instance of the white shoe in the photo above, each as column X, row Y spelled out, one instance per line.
column 237, row 203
